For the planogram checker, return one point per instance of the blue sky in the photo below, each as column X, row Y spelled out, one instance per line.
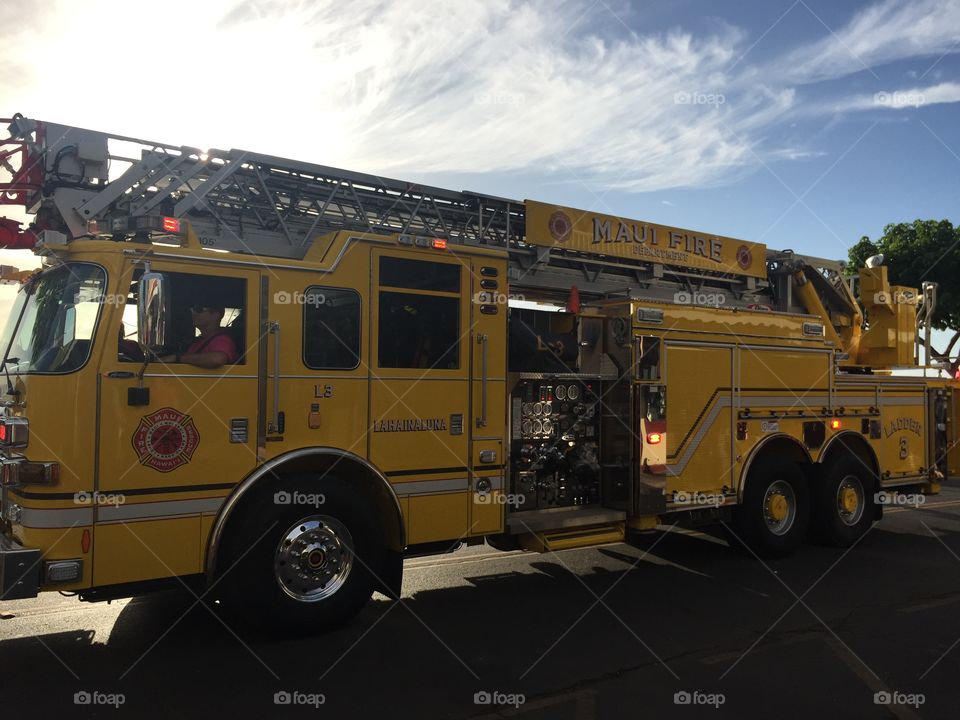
column 801, row 124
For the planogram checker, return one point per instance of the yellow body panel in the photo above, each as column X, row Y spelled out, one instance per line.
column 698, row 411
column 127, row 552
column 438, row 517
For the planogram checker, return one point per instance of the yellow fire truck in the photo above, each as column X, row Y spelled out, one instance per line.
column 405, row 369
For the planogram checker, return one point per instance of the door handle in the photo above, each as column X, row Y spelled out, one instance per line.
column 275, row 425
column 482, row 342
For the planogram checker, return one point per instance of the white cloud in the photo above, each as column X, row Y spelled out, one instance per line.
column 886, row 32
column 904, row 99
column 402, row 89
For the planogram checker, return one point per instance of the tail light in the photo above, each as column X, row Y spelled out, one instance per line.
column 14, row 432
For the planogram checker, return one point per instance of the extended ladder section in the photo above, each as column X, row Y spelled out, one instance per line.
column 84, row 183
column 236, row 200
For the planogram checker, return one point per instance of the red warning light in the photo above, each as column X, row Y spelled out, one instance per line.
column 440, row 243
column 834, row 424
column 171, row 225
column 654, row 438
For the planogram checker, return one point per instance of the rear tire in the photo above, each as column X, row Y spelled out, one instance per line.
column 843, row 502
column 312, row 566
column 773, row 517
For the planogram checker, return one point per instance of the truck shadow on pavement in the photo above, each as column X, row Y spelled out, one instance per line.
column 590, row 629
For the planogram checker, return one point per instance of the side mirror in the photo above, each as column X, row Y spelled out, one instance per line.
column 153, row 310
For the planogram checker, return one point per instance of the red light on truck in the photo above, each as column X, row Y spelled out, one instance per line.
column 13, row 238
column 440, row 243
column 171, row 225
column 834, row 424
column 3, row 432
column 654, row 438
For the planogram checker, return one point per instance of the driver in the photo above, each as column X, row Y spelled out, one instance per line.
column 128, row 350
column 214, row 348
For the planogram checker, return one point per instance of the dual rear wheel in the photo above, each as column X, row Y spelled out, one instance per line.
column 781, row 505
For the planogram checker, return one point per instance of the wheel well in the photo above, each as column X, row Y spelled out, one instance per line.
column 780, row 446
column 853, row 444
column 369, row 482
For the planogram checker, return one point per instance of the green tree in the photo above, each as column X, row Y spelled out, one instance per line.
column 918, row 252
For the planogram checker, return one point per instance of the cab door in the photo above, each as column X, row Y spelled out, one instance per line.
column 170, row 451
column 420, row 387
column 488, row 340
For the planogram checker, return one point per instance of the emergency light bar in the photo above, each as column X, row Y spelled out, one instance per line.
column 146, row 223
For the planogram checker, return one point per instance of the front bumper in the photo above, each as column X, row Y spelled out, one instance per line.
column 19, row 570
column 18, row 471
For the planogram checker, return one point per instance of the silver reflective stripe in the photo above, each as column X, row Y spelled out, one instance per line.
column 722, row 403
column 496, row 483
column 770, row 401
column 792, row 401
column 167, row 508
column 917, row 401
column 57, row 517
column 424, row 487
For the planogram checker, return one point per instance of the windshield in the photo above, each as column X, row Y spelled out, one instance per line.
column 53, row 320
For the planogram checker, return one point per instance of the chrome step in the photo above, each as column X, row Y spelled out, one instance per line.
column 530, row 521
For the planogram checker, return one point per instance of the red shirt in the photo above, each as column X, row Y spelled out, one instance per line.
column 220, row 342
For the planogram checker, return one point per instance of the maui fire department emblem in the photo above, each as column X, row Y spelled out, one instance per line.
column 560, row 226
column 165, row 440
column 744, row 257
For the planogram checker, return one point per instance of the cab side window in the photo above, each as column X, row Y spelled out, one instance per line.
column 419, row 314
column 193, row 295
column 331, row 328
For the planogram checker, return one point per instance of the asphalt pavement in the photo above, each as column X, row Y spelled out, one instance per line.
column 674, row 624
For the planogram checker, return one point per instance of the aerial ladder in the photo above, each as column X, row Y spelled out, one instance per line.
column 82, row 183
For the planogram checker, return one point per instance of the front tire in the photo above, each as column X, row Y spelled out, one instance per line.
column 312, row 566
column 773, row 517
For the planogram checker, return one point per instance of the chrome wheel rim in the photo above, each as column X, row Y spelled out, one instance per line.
column 851, row 501
column 314, row 558
column 779, row 507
